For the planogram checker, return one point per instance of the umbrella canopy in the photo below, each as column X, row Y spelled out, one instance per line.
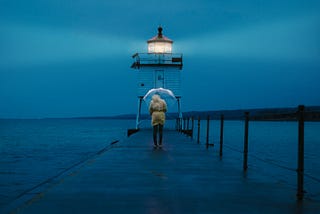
column 165, row 94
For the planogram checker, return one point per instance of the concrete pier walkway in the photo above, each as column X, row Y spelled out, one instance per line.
column 183, row 177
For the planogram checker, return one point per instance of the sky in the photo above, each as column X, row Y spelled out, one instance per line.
column 67, row 58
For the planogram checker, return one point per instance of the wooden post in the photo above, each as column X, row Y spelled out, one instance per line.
column 208, row 126
column 245, row 147
column 221, row 134
column 300, row 170
column 198, row 139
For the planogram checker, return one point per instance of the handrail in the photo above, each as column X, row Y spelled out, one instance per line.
column 299, row 115
column 141, row 59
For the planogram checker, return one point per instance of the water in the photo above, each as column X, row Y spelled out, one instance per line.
column 31, row 151
column 272, row 151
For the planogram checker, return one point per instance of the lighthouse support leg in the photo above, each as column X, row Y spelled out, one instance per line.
column 179, row 108
column 180, row 115
column 138, row 113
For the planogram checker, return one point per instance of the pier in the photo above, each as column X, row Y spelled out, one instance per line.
column 130, row 176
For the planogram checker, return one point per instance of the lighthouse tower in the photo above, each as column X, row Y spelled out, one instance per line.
column 159, row 68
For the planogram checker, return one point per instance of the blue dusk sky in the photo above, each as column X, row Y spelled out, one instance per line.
column 66, row 58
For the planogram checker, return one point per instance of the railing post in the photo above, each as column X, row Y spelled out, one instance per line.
column 208, row 126
column 177, row 124
column 198, row 138
column 221, row 134
column 182, row 119
column 300, row 170
column 245, row 147
column 188, row 119
column 192, row 126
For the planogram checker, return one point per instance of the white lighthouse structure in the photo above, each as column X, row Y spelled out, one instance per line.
column 158, row 68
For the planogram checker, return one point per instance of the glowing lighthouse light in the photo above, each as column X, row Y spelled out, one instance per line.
column 159, row 44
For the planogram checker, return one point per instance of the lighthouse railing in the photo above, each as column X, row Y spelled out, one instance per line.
column 174, row 59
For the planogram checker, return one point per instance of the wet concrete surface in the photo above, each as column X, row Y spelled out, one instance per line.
column 182, row 177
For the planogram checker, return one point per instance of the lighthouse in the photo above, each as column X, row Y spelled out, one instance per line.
column 158, row 68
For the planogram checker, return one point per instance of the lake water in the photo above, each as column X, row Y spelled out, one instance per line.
column 31, row 151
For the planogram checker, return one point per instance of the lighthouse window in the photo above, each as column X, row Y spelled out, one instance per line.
column 159, row 47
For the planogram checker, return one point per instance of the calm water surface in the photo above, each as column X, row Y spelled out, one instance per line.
column 32, row 151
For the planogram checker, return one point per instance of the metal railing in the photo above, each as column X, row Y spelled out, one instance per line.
column 182, row 125
column 146, row 59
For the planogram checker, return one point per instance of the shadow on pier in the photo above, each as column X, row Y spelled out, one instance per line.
column 183, row 177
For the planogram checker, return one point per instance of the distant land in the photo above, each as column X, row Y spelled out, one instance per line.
column 311, row 113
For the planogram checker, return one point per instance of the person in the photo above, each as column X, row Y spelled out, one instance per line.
column 157, row 109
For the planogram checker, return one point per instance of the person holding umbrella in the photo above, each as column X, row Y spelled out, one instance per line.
column 157, row 109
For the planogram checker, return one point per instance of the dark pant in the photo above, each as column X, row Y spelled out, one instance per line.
column 157, row 128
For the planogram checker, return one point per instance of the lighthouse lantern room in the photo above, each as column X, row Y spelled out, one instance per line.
column 158, row 68
column 160, row 44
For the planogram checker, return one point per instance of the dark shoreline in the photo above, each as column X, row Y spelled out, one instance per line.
column 311, row 113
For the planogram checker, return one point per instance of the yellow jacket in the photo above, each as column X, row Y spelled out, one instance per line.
column 157, row 110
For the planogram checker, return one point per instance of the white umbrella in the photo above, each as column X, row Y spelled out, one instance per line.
column 164, row 93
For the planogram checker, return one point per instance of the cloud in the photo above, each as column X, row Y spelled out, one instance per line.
column 286, row 40
column 23, row 45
